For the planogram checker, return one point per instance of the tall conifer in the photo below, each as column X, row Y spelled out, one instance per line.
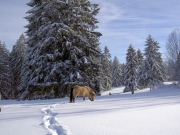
column 4, row 72
column 116, row 73
column 16, row 61
column 131, row 70
column 152, row 71
column 106, row 70
column 62, row 44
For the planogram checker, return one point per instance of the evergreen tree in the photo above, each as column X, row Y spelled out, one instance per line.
column 116, row 73
column 123, row 74
column 62, row 44
column 152, row 71
column 25, row 74
column 100, row 73
column 35, row 22
column 140, row 61
column 131, row 70
column 16, row 60
column 140, row 58
column 106, row 70
column 4, row 72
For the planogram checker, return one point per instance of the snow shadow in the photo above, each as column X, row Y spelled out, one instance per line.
column 51, row 122
column 124, row 102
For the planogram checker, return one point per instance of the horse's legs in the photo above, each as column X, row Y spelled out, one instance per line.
column 74, row 97
column 83, row 98
column 71, row 95
column 89, row 98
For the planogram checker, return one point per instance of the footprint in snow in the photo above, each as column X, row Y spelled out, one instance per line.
column 51, row 123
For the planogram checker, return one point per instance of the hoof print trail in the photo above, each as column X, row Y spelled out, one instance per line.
column 51, row 123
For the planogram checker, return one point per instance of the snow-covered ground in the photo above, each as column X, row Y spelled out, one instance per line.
column 144, row 113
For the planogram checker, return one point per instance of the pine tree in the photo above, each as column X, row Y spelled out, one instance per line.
column 131, row 70
column 116, row 73
column 140, row 61
column 140, row 58
column 106, row 70
column 16, row 60
column 123, row 74
column 4, row 72
column 62, row 44
column 152, row 71
column 35, row 22
column 25, row 76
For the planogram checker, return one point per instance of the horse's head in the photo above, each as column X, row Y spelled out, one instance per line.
column 93, row 95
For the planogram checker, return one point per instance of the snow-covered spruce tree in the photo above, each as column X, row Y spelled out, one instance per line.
column 106, row 70
column 62, row 44
column 16, row 60
column 35, row 22
column 116, row 73
column 131, row 70
column 123, row 74
column 100, row 73
column 4, row 72
column 140, row 58
column 152, row 71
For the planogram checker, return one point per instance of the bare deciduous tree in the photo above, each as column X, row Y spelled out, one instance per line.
column 172, row 52
column 173, row 45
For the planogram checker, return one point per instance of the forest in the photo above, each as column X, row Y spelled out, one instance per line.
column 62, row 49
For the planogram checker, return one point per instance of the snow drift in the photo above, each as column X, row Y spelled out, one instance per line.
column 144, row 113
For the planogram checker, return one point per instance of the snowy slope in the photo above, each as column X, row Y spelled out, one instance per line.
column 144, row 113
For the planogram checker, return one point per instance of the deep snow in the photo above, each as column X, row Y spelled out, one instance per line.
column 144, row 113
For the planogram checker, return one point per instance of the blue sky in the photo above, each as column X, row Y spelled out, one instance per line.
column 122, row 22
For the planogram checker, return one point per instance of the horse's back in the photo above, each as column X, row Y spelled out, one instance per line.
column 80, row 91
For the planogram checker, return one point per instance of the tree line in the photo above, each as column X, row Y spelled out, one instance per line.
column 62, row 49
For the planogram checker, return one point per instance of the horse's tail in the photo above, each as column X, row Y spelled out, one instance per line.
column 71, row 95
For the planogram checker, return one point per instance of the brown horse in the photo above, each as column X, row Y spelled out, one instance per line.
column 83, row 91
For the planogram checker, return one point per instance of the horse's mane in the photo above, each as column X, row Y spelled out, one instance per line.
column 88, row 88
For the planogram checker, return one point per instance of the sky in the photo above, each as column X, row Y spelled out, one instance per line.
column 121, row 22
